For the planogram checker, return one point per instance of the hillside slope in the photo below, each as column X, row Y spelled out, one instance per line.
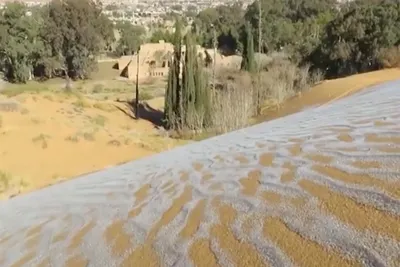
column 317, row 188
column 84, row 132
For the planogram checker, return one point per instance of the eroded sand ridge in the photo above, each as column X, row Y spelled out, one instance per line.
column 317, row 188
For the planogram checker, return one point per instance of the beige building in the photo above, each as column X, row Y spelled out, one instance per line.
column 154, row 60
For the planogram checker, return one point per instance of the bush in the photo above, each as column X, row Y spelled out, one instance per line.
column 99, row 120
column 283, row 79
column 232, row 104
column 5, row 179
column 240, row 95
column 81, row 103
column 98, row 88
column 145, row 96
column 389, row 57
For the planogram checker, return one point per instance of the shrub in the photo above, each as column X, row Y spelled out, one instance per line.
column 81, row 103
column 72, row 138
column 99, row 120
column 24, row 111
column 232, row 103
column 42, row 138
column 98, row 88
column 114, row 142
column 283, row 79
column 104, row 106
column 88, row 136
column 145, row 96
column 389, row 57
column 241, row 95
column 5, row 179
column 48, row 97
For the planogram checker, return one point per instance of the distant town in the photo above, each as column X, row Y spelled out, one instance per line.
column 148, row 13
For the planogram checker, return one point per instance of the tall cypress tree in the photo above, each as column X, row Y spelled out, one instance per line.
column 203, row 96
column 173, row 103
column 188, row 81
column 169, row 112
column 248, row 60
column 187, row 101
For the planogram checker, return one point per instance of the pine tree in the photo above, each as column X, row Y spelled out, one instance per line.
column 248, row 61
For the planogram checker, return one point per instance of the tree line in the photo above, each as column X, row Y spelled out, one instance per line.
column 64, row 37
column 338, row 38
column 324, row 36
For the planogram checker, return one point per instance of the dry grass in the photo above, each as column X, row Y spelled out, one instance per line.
column 81, row 103
column 72, row 138
column 89, row 136
column 390, row 57
column 114, row 142
column 232, row 105
column 24, row 111
column 242, row 95
column 107, row 107
column 31, row 87
column 99, row 120
column 5, row 179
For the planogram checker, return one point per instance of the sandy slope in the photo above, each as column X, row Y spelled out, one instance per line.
column 52, row 137
column 317, row 188
column 331, row 90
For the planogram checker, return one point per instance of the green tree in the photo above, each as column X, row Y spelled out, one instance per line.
column 248, row 61
column 188, row 82
column 111, row 7
column 132, row 37
column 161, row 34
column 77, row 32
column 19, row 42
column 195, row 91
column 226, row 21
column 177, row 7
column 173, row 104
column 354, row 39
column 187, row 102
column 294, row 26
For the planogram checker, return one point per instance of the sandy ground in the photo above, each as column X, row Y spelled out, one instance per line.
column 318, row 188
column 52, row 138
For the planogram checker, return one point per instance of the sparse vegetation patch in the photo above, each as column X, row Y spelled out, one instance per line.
column 5, row 179
column 99, row 120
column 42, row 139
